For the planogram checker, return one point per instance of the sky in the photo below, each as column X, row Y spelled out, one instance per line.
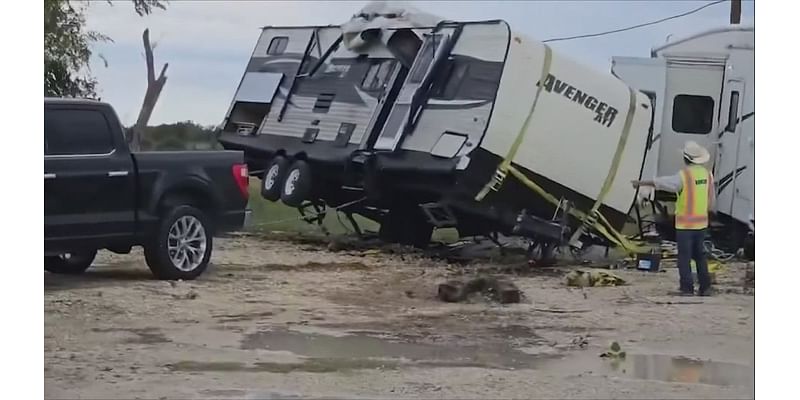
column 208, row 43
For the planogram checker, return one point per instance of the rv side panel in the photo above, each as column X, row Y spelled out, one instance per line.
column 463, row 97
column 576, row 125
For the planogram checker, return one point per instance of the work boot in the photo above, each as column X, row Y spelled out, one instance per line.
column 682, row 293
column 706, row 292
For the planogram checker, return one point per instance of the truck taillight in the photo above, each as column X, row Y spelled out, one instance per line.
column 242, row 177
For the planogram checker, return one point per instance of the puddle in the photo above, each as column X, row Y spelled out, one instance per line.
column 247, row 394
column 657, row 367
column 312, row 365
column 684, row 370
column 359, row 348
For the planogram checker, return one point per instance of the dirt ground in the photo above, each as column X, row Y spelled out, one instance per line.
column 282, row 319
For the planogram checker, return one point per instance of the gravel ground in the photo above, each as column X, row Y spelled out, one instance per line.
column 282, row 319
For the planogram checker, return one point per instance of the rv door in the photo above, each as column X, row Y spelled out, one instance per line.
column 392, row 133
column 691, row 107
column 735, row 163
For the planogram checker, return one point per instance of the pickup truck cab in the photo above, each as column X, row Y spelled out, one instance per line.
column 100, row 195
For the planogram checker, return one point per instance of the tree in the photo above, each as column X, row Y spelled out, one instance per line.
column 154, row 86
column 67, row 46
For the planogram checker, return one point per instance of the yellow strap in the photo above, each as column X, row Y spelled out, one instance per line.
column 602, row 225
column 612, row 172
column 500, row 174
column 597, row 220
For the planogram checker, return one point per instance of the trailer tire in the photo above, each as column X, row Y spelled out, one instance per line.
column 750, row 248
column 406, row 226
column 272, row 181
column 69, row 264
column 297, row 184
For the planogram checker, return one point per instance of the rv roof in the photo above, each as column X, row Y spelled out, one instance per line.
column 443, row 22
column 297, row 26
column 728, row 28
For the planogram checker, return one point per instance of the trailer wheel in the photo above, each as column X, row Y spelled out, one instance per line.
column 272, row 181
column 407, row 226
column 750, row 247
column 297, row 184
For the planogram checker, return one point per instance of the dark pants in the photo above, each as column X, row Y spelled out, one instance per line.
column 690, row 247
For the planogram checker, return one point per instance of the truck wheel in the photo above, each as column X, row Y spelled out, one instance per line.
column 297, row 184
column 181, row 248
column 407, row 226
column 272, row 181
column 70, row 263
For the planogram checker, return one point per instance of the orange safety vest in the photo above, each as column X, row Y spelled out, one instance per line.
column 691, row 209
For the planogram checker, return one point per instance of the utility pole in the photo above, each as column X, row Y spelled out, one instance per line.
column 736, row 12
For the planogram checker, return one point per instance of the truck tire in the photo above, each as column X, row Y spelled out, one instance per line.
column 181, row 246
column 272, row 181
column 70, row 264
column 297, row 184
column 407, row 226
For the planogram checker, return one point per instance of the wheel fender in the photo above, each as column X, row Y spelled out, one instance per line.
column 192, row 184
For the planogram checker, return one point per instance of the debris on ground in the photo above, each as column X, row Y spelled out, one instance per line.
column 580, row 342
column 614, row 352
column 498, row 290
column 190, row 295
column 590, row 278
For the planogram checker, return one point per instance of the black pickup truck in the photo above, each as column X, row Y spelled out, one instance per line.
column 100, row 195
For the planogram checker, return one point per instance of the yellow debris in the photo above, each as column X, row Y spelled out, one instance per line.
column 591, row 278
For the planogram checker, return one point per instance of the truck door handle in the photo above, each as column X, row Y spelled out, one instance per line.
column 117, row 173
column 49, row 176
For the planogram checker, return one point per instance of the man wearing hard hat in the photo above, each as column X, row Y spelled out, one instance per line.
column 694, row 185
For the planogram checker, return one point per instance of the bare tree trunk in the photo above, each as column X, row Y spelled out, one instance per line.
column 154, row 86
column 736, row 12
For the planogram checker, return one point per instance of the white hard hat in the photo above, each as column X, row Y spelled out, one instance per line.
column 695, row 153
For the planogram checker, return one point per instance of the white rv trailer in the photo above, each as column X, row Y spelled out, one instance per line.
column 416, row 115
column 703, row 89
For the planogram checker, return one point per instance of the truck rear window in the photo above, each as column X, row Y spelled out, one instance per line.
column 76, row 132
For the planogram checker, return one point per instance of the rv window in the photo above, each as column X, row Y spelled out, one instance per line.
column 733, row 112
column 448, row 87
column 424, row 60
column 377, row 75
column 76, row 132
column 278, row 45
column 369, row 78
column 323, row 103
column 692, row 114
column 387, row 67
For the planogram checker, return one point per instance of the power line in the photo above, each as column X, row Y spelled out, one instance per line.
column 636, row 26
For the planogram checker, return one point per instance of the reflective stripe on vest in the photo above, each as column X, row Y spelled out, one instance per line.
column 691, row 209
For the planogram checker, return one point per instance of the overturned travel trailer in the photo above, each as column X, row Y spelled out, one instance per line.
column 416, row 122
column 702, row 88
